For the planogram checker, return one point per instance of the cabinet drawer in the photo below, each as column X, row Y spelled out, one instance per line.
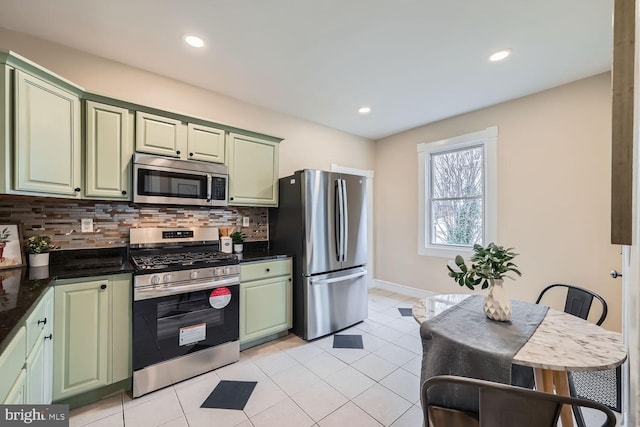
column 11, row 362
column 38, row 320
column 265, row 269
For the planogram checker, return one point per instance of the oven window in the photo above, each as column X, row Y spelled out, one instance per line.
column 168, row 327
column 171, row 184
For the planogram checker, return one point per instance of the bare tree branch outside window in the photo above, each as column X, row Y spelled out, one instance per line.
column 457, row 197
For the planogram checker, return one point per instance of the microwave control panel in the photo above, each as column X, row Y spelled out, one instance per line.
column 218, row 188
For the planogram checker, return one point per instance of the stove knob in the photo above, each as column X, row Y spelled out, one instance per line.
column 217, row 272
column 155, row 280
column 193, row 275
column 228, row 270
column 166, row 278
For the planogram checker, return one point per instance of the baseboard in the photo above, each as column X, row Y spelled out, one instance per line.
column 402, row 289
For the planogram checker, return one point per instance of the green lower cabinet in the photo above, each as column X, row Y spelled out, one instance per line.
column 39, row 363
column 92, row 334
column 265, row 303
column 12, row 366
column 18, row 393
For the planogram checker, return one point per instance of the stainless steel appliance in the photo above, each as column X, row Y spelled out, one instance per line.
column 322, row 221
column 163, row 180
column 185, row 305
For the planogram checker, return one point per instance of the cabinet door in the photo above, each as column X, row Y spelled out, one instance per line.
column 18, row 393
column 47, row 138
column 47, row 367
column 12, row 361
column 253, row 171
column 81, row 331
column 39, row 364
column 159, row 135
column 263, row 308
column 109, row 147
column 121, row 327
column 36, row 393
column 205, row 143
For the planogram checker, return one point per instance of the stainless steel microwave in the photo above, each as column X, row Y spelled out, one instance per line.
column 167, row 181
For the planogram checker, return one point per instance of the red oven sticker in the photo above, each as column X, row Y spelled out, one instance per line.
column 220, row 297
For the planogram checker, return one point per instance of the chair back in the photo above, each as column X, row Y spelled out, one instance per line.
column 504, row 405
column 578, row 301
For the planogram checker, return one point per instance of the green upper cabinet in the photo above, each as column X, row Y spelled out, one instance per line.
column 47, row 138
column 160, row 135
column 253, row 170
column 205, row 143
column 171, row 137
column 109, row 148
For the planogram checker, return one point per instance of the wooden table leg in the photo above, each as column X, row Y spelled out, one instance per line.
column 561, row 382
column 544, row 380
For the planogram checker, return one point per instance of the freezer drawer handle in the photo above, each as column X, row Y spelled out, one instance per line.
column 338, row 279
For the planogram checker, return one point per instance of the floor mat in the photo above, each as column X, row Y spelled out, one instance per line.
column 230, row 395
column 347, row 341
column 406, row 311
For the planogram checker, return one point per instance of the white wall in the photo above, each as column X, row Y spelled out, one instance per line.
column 553, row 193
column 305, row 145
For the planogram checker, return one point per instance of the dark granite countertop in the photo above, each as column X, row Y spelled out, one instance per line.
column 22, row 288
column 258, row 251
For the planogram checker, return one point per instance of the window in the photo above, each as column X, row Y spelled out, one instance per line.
column 457, row 193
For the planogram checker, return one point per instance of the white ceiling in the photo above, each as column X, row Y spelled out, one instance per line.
column 412, row 61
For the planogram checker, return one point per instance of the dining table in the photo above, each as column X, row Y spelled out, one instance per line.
column 561, row 343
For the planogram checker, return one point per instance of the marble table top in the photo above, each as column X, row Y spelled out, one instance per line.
column 562, row 342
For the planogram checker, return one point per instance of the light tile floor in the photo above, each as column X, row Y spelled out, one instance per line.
column 300, row 383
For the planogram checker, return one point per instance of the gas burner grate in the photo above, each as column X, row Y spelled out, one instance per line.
column 166, row 260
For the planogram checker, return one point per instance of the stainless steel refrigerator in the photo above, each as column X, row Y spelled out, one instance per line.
column 322, row 221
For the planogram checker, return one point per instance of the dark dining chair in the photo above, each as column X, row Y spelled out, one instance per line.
column 501, row 405
column 600, row 386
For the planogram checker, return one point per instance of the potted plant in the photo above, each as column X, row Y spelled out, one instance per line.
column 238, row 239
column 4, row 238
column 489, row 266
column 38, row 248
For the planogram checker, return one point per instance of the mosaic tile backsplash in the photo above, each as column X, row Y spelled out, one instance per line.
column 60, row 219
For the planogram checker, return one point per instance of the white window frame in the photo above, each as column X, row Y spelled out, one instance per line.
column 488, row 139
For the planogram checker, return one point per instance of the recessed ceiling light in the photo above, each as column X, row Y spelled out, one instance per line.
column 364, row 110
column 194, row 41
column 500, row 55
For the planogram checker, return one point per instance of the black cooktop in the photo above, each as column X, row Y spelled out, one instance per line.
column 159, row 259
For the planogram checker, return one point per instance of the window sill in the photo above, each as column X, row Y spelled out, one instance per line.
column 449, row 253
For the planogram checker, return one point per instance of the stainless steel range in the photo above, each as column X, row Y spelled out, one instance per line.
column 185, row 305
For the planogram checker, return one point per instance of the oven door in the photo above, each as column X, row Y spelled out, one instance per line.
column 167, row 327
column 154, row 184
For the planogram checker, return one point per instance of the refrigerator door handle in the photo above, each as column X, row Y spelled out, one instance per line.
column 341, row 222
column 336, row 219
column 345, row 221
column 337, row 279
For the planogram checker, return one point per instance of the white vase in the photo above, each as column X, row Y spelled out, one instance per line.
column 237, row 248
column 496, row 303
column 38, row 260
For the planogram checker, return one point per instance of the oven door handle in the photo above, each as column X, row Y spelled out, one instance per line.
column 157, row 292
column 200, row 286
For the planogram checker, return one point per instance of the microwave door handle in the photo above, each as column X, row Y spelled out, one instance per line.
column 209, row 185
